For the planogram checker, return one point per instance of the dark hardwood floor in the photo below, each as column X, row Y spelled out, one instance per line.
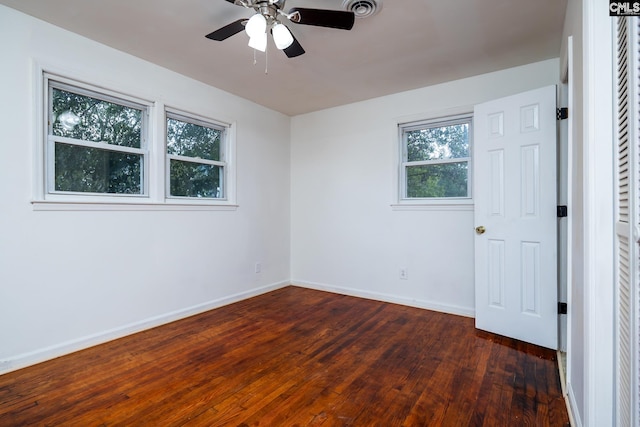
column 295, row 357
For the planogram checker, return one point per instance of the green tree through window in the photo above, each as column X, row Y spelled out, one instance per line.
column 96, row 143
column 196, row 164
column 103, row 146
column 436, row 159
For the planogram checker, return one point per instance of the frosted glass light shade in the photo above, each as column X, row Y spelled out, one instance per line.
column 281, row 36
column 259, row 42
column 256, row 25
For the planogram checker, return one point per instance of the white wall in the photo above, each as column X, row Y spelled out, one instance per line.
column 345, row 235
column 70, row 279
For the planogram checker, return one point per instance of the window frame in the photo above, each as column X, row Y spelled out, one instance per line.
column 175, row 114
column 154, row 186
column 55, row 82
column 403, row 164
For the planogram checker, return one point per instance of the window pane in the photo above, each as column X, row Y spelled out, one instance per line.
column 90, row 119
column 191, row 140
column 440, row 142
column 189, row 179
column 438, row 180
column 90, row 170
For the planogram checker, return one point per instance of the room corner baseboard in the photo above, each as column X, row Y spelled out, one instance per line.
column 41, row 355
column 425, row 304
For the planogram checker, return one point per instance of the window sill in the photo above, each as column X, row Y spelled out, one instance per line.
column 51, row 205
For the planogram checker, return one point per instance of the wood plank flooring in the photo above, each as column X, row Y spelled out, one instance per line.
column 295, row 357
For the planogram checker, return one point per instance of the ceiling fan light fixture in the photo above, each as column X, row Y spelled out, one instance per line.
column 256, row 25
column 281, row 36
column 259, row 42
column 267, row 21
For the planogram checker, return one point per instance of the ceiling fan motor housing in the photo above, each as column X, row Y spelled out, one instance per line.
column 266, row 20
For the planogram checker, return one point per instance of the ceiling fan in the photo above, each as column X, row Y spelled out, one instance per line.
column 268, row 20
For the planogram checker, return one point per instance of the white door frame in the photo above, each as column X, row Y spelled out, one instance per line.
column 563, row 194
column 567, row 77
column 598, row 215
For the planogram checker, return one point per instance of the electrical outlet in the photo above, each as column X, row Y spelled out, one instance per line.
column 258, row 267
column 404, row 274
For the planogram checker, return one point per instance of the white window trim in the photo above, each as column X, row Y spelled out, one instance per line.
column 224, row 163
column 402, row 203
column 52, row 140
column 154, row 197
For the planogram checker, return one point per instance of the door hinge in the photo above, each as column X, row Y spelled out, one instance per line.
column 562, row 113
column 562, row 211
column 562, row 308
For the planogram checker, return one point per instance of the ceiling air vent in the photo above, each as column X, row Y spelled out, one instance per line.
column 362, row 8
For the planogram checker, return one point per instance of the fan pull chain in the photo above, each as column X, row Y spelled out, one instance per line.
column 266, row 60
column 255, row 61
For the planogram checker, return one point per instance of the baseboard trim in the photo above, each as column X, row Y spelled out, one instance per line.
column 425, row 304
column 41, row 355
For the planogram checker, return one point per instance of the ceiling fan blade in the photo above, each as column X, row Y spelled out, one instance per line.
column 295, row 49
column 227, row 31
column 339, row 19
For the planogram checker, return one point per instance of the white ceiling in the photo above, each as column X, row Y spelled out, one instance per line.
column 407, row 45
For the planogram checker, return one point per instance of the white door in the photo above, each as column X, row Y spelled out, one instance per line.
column 515, row 217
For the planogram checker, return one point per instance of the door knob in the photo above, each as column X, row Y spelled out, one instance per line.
column 480, row 230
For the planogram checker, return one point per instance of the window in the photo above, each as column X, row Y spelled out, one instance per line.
column 195, row 157
column 95, row 143
column 436, row 159
column 100, row 149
